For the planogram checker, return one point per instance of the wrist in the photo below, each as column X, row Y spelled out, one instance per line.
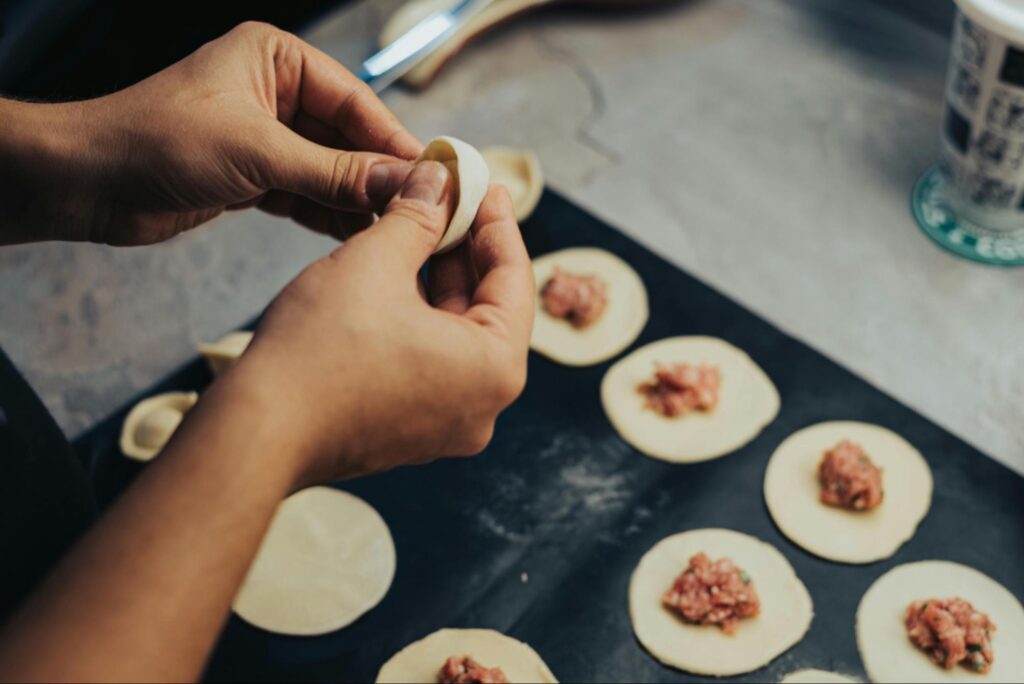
column 45, row 182
column 253, row 398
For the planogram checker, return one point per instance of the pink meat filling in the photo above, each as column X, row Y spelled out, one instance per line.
column 849, row 479
column 713, row 593
column 952, row 633
column 465, row 670
column 579, row 299
column 681, row 388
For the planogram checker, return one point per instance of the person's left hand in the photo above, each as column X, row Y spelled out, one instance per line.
column 256, row 117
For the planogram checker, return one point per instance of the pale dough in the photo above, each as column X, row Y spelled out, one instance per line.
column 327, row 558
column 791, row 491
column 469, row 183
column 747, row 401
column 419, row 662
column 786, row 608
column 223, row 353
column 519, row 171
column 151, row 423
column 618, row 327
column 816, row 677
column 888, row 654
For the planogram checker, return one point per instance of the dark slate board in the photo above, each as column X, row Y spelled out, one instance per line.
column 560, row 497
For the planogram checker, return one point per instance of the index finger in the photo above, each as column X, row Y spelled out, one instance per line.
column 334, row 95
column 504, row 299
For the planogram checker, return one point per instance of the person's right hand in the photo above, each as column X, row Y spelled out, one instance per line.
column 370, row 371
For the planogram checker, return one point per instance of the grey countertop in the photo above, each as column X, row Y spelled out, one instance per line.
column 766, row 146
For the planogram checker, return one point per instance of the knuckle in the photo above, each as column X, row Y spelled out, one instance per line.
column 344, row 175
column 253, row 28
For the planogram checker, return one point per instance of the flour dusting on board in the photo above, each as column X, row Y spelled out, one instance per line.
column 591, row 482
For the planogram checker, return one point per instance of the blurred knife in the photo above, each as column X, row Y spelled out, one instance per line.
column 406, row 51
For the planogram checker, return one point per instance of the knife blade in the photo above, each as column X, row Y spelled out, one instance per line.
column 395, row 60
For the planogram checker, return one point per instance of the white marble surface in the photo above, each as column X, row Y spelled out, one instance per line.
column 767, row 146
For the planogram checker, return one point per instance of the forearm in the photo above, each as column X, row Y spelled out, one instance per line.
column 144, row 595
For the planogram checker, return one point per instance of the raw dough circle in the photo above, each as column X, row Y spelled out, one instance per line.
column 519, row 171
column 786, row 608
column 618, row 327
column 791, row 492
column 223, row 353
column 327, row 558
column 816, row 677
column 748, row 401
column 420, row 661
column 150, row 424
column 469, row 182
column 888, row 654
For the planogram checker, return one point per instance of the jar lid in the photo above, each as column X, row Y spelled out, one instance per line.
column 1005, row 18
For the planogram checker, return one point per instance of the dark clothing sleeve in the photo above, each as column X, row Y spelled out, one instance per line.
column 45, row 499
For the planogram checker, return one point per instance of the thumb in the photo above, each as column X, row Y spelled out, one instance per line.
column 353, row 181
column 415, row 220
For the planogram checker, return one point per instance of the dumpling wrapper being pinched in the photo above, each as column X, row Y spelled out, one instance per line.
column 786, row 607
column 469, row 181
column 151, row 423
column 791, row 492
column 890, row 656
column 622, row 321
column 419, row 662
column 747, row 401
column 327, row 558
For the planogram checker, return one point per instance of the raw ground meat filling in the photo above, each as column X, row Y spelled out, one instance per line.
column 952, row 632
column 578, row 299
column 849, row 479
column 465, row 670
column 713, row 593
column 681, row 388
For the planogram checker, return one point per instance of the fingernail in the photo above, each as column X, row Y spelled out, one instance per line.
column 385, row 180
column 426, row 183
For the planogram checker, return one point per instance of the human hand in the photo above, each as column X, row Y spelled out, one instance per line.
column 256, row 117
column 370, row 370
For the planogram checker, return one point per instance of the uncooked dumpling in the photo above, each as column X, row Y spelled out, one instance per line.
column 327, row 558
column 888, row 653
column 223, row 353
column 747, row 401
column 469, row 182
column 791, row 492
column 419, row 662
column 151, row 423
column 622, row 321
column 519, row 171
column 785, row 615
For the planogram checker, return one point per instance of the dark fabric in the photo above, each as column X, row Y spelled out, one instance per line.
column 45, row 499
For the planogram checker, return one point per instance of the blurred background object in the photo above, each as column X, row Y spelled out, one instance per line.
column 73, row 49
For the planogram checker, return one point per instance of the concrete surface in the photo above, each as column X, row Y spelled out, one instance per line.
column 767, row 146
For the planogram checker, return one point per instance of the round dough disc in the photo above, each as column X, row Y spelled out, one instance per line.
column 791, row 492
column 469, row 181
column 816, row 677
column 327, row 558
column 786, row 608
column 888, row 654
column 748, row 401
column 419, row 662
column 618, row 327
